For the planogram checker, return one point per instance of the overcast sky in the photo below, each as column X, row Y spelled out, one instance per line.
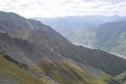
column 59, row 8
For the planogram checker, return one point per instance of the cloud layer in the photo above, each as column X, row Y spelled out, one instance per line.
column 59, row 8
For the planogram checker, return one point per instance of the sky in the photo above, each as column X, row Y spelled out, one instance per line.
column 61, row 8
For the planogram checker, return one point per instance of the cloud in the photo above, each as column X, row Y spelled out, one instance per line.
column 115, row 1
column 111, row 1
column 59, row 8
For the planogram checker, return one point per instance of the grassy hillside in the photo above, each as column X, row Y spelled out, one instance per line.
column 64, row 72
column 10, row 73
column 67, row 72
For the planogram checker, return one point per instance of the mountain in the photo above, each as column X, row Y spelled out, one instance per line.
column 109, row 36
column 66, row 25
column 40, row 52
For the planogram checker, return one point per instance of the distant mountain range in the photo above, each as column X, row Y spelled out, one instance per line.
column 103, row 32
column 66, row 25
column 33, row 53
